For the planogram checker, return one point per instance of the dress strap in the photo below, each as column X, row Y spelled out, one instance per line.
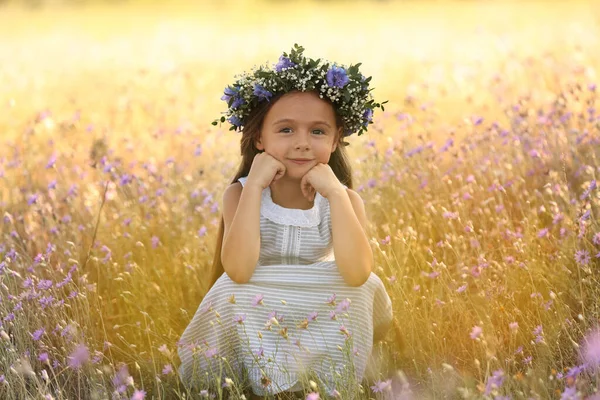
column 243, row 180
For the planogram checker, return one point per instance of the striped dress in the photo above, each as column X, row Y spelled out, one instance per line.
column 295, row 315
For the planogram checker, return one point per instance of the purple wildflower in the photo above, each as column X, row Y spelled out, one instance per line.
column 211, row 352
column 79, row 356
column 167, row 369
column 236, row 121
column 313, row 316
column 32, row 199
column 239, row 318
column 331, row 300
column 258, row 300
column 202, row 231
column 570, row 393
column 336, row 77
column 283, row 63
column 543, row 233
column 229, row 93
column 476, row 332
column 313, row 396
column 596, row 239
column 494, row 382
column 343, row 306
column 367, row 116
column 43, row 358
column 155, row 242
column 138, row 395
column 588, row 190
column 37, row 335
column 262, row 93
column 591, row 349
column 44, row 284
column 380, row 386
column 582, row 257
column 51, row 162
column 121, row 379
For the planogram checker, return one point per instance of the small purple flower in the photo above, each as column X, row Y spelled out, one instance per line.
column 542, row 233
column 337, row 77
column 37, row 335
column 313, row 316
column 582, row 257
column 596, row 239
column 313, row 396
column 138, row 395
column 343, row 306
column 591, row 349
column 380, row 386
column 211, row 352
column 121, row 379
column 283, row 63
column 462, row 288
column 494, row 382
column 237, row 102
column 239, row 318
column 570, row 393
column 51, row 162
column 155, row 242
column 202, row 231
column 79, row 356
column 233, row 93
column 167, row 369
column 229, row 93
column 43, row 358
column 261, row 92
column 44, row 284
column 236, row 121
column 32, row 199
column 368, row 116
column 476, row 332
column 258, row 300
column 588, row 190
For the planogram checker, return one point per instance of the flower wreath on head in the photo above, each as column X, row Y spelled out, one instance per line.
column 346, row 88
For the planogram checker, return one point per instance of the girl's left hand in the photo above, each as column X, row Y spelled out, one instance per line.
column 320, row 178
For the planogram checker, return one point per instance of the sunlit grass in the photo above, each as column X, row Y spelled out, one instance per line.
column 474, row 179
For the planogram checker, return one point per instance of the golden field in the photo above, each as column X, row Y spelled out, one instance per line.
column 479, row 181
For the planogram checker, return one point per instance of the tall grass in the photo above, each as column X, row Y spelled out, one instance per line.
column 479, row 182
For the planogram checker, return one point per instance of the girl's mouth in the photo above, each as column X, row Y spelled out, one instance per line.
column 300, row 161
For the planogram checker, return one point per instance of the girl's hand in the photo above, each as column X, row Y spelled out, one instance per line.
column 320, row 178
column 264, row 170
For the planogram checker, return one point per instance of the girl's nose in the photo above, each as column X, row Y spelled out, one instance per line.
column 302, row 143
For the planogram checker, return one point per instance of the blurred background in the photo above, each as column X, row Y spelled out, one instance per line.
column 479, row 180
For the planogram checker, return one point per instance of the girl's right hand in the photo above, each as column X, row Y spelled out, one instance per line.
column 264, row 170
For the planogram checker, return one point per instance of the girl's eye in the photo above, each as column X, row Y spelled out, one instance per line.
column 287, row 130
column 318, row 132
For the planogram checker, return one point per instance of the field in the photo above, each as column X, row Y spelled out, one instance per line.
column 479, row 181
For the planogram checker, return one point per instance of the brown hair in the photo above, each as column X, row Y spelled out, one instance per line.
column 339, row 163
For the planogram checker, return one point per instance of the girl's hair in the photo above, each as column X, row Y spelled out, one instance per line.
column 338, row 162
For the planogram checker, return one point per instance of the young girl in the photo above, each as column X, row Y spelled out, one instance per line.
column 293, row 296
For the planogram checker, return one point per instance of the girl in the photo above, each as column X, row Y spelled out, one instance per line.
column 293, row 296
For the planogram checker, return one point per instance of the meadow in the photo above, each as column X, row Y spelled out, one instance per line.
column 479, row 181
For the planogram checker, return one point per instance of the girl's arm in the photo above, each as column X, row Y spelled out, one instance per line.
column 241, row 235
column 353, row 254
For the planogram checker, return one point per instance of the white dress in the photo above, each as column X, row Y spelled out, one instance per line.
column 295, row 313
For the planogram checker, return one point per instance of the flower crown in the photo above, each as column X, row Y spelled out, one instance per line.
column 346, row 88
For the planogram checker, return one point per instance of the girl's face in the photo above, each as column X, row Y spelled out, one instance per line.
column 299, row 131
